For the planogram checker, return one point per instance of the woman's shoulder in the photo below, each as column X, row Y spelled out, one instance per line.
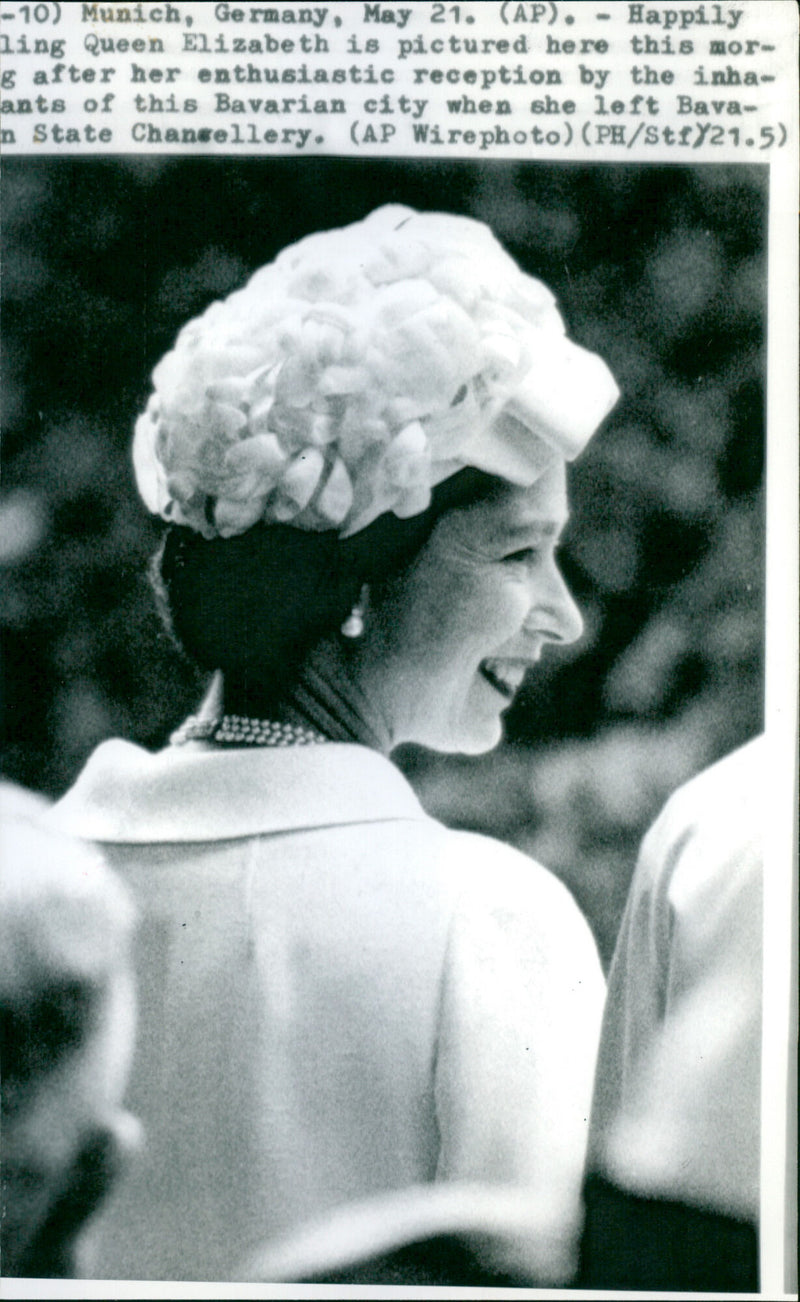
column 710, row 827
column 723, row 794
column 482, row 863
column 492, row 879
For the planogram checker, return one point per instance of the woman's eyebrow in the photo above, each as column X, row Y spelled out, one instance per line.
column 543, row 527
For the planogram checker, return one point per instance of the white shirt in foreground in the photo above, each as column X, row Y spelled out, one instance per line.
column 676, row 1111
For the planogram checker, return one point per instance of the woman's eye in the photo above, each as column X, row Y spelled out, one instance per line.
column 526, row 556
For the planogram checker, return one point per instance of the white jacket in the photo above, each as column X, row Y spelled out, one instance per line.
column 339, row 997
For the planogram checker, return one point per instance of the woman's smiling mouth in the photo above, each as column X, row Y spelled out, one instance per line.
column 503, row 676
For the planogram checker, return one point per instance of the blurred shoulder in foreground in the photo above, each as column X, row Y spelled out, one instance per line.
column 66, row 1035
column 673, row 1183
column 460, row 1234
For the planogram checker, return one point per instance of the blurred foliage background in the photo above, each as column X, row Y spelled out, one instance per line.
column 660, row 269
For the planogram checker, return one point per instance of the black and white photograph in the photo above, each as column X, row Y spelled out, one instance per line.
column 383, row 550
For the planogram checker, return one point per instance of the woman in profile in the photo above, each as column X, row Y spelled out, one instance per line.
column 361, row 458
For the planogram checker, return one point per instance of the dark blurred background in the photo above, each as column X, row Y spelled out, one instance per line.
column 660, row 269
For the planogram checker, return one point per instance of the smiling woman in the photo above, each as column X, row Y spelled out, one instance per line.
column 362, row 459
column 475, row 608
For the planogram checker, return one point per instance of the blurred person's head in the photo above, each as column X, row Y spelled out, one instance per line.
column 67, row 1027
column 362, row 454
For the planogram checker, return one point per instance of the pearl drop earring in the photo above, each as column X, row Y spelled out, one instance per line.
column 353, row 626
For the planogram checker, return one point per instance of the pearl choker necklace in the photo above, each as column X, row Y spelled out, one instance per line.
column 238, row 730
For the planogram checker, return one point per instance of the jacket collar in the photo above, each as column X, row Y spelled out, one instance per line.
column 193, row 793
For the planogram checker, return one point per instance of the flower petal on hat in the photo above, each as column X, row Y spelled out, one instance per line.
column 296, row 382
column 261, row 384
column 407, row 446
column 225, row 422
column 253, row 466
column 415, row 500
column 405, row 470
column 320, row 344
column 259, row 416
column 149, row 471
column 395, row 303
column 449, row 433
column 321, row 428
column 314, row 283
column 394, row 259
column 336, row 497
column 234, row 516
column 182, row 485
column 343, row 380
column 233, row 390
column 360, row 432
column 297, row 485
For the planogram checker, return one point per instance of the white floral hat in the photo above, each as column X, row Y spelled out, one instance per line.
column 355, row 372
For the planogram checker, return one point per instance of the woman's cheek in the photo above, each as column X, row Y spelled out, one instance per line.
column 490, row 612
column 511, row 602
column 460, row 601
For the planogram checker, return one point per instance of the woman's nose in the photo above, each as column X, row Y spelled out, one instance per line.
column 565, row 623
column 570, row 617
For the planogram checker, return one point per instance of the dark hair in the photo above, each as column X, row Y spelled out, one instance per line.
column 255, row 605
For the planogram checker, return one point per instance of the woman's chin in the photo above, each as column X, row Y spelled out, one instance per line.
column 482, row 747
column 473, row 730
column 477, row 737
